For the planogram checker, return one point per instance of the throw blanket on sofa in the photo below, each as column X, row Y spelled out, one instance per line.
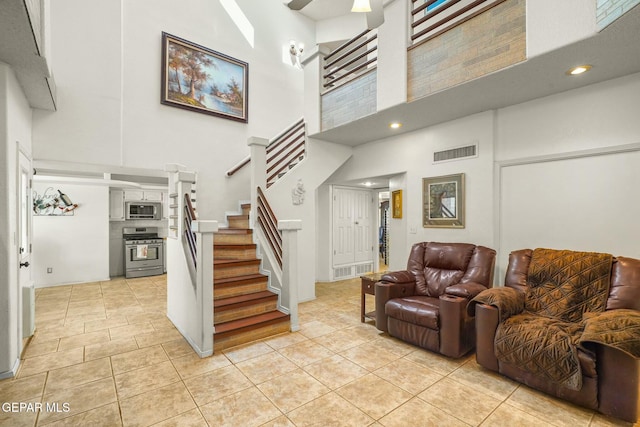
column 619, row 329
column 566, row 284
column 562, row 286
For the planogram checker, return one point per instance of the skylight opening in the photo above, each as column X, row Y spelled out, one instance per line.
column 239, row 18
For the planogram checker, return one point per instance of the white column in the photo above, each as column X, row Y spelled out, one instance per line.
column 289, row 296
column 313, row 72
column 258, row 164
column 204, row 283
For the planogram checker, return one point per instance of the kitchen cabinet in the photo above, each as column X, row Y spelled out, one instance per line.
column 146, row 195
column 116, row 205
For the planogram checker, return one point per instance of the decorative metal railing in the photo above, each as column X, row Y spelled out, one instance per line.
column 351, row 59
column 285, row 151
column 269, row 224
column 190, row 236
column 430, row 18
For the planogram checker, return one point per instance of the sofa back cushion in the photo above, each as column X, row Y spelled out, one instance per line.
column 437, row 266
column 566, row 284
column 625, row 284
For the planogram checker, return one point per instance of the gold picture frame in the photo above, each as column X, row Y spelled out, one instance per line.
column 396, row 204
column 200, row 79
column 443, row 201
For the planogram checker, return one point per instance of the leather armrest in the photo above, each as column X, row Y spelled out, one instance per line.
column 398, row 277
column 618, row 378
column 465, row 290
column 456, row 328
column 487, row 320
column 384, row 292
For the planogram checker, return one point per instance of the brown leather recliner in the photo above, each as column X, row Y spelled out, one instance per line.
column 426, row 303
column 566, row 323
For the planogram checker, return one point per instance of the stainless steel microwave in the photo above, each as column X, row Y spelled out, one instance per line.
column 143, row 210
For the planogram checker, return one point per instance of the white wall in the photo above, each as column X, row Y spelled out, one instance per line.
column 15, row 131
column 76, row 247
column 551, row 195
column 109, row 85
column 409, row 157
column 552, row 24
column 322, row 159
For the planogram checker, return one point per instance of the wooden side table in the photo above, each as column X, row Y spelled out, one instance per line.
column 367, row 287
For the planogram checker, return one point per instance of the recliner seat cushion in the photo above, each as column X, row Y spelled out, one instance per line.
column 417, row 310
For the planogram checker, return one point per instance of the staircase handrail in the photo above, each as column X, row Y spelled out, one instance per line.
column 190, row 267
column 269, row 224
column 190, row 236
column 274, row 143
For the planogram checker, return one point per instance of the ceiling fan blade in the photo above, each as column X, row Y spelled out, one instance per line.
column 298, row 4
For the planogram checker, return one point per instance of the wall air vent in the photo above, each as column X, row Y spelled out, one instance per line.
column 458, row 153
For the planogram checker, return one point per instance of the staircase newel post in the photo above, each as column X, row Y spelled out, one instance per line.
column 204, row 279
column 258, row 147
column 289, row 296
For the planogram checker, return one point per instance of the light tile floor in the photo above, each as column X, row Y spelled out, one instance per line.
column 107, row 355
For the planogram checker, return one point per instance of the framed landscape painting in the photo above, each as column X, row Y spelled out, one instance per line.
column 203, row 80
column 443, row 201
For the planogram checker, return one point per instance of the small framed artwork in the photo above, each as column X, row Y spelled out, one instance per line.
column 443, row 201
column 200, row 79
column 396, row 203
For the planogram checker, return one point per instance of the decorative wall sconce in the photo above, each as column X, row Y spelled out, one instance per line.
column 295, row 50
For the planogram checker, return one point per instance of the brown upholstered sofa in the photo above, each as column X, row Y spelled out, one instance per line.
column 566, row 323
column 426, row 303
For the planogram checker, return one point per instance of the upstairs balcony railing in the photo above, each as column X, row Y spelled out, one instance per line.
column 351, row 59
column 430, row 18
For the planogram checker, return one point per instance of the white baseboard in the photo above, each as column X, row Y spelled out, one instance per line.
column 201, row 353
column 12, row 372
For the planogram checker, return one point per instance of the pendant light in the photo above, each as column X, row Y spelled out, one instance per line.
column 361, row 6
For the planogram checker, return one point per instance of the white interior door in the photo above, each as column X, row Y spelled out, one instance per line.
column 26, row 315
column 343, row 227
column 363, row 226
column 353, row 223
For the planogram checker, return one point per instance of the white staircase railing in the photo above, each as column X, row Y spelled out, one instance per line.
column 189, row 265
column 283, row 269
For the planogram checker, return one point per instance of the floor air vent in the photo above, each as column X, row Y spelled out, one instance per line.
column 342, row 272
column 456, row 153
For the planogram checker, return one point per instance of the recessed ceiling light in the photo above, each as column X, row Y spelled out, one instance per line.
column 579, row 70
column 395, row 125
column 368, row 183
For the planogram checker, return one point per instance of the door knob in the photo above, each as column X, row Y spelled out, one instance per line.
column 24, row 264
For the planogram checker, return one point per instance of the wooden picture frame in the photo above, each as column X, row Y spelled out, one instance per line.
column 443, row 201
column 396, row 204
column 200, row 79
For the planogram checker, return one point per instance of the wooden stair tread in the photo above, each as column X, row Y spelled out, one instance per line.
column 230, row 281
column 249, row 322
column 237, row 262
column 234, row 231
column 241, row 299
column 238, row 216
column 234, row 246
